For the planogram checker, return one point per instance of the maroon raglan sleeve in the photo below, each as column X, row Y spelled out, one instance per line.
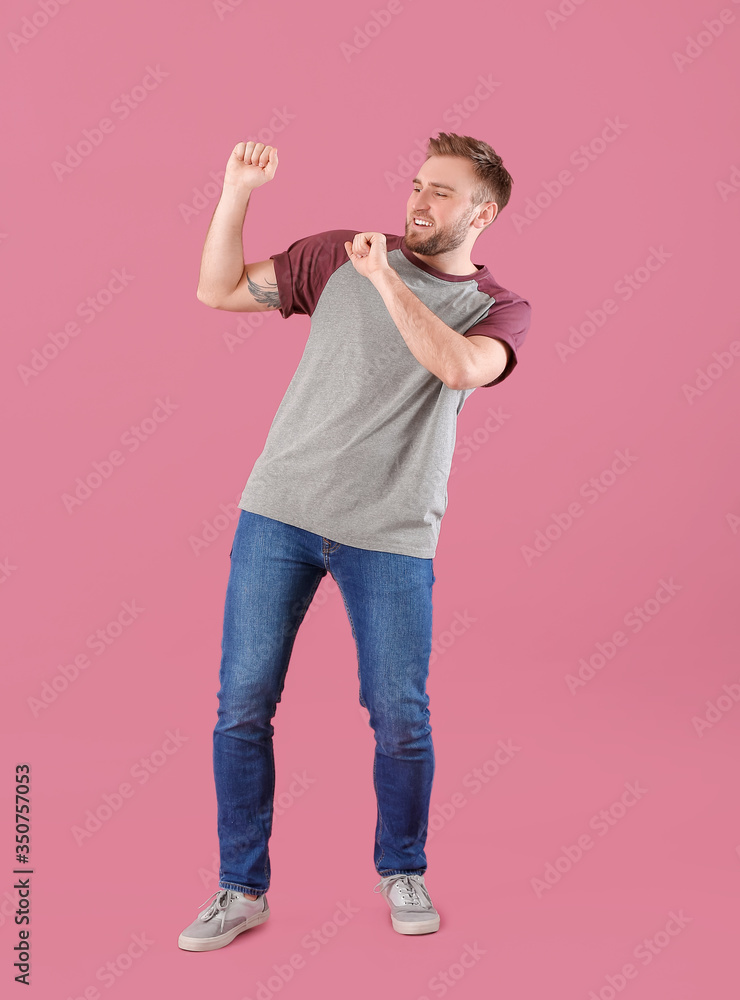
column 303, row 270
column 508, row 319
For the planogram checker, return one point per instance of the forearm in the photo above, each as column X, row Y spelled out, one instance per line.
column 439, row 348
column 222, row 262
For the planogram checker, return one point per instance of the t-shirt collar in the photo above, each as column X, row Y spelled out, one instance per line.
column 422, row 264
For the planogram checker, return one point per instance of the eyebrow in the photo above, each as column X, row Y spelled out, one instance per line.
column 435, row 184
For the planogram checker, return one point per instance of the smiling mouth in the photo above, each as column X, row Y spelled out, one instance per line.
column 417, row 226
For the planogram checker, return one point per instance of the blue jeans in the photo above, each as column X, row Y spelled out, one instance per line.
column 275, row 571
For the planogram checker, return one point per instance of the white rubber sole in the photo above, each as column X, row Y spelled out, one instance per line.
column 221, row 940
column 415, row 926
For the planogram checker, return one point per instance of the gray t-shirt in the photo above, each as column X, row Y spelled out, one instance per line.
column 361, row 446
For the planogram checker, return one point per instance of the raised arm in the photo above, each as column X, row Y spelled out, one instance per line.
column 225, row 281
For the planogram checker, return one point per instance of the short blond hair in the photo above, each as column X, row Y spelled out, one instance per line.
column 493, row 180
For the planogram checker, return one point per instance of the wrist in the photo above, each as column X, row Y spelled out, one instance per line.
column 235, row 193
column 384, row 277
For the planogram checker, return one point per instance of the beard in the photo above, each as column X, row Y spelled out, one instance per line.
column 438, row 240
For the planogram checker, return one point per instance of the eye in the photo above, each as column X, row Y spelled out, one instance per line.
column 438, row 193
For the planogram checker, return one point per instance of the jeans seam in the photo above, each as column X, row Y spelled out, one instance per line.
column 354, row 636
column 298, row 621
column 380, row 815
column 375, row 755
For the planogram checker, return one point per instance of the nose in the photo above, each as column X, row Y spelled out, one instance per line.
column 420, row 202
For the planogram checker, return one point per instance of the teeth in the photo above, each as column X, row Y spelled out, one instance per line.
column 422, row 222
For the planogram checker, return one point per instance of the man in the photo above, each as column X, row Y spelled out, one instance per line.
column 352, row 481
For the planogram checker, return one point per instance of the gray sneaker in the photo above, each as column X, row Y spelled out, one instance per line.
column 411, row 906
column 229, row 914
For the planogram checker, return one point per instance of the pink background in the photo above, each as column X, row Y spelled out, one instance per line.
column 141, row 201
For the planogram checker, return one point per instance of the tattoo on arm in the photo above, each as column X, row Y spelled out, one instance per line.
column 267, row 293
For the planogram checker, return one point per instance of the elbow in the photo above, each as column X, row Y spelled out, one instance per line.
column 456, row 380
column 206, row 299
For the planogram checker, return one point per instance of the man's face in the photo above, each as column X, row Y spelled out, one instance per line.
column 449, row 211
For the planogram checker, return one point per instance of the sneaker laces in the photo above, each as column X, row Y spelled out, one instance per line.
column 219, row 905
column 412, row 889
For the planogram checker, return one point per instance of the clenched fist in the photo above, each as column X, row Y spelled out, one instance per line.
column 250, row 165
column 369, row 254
